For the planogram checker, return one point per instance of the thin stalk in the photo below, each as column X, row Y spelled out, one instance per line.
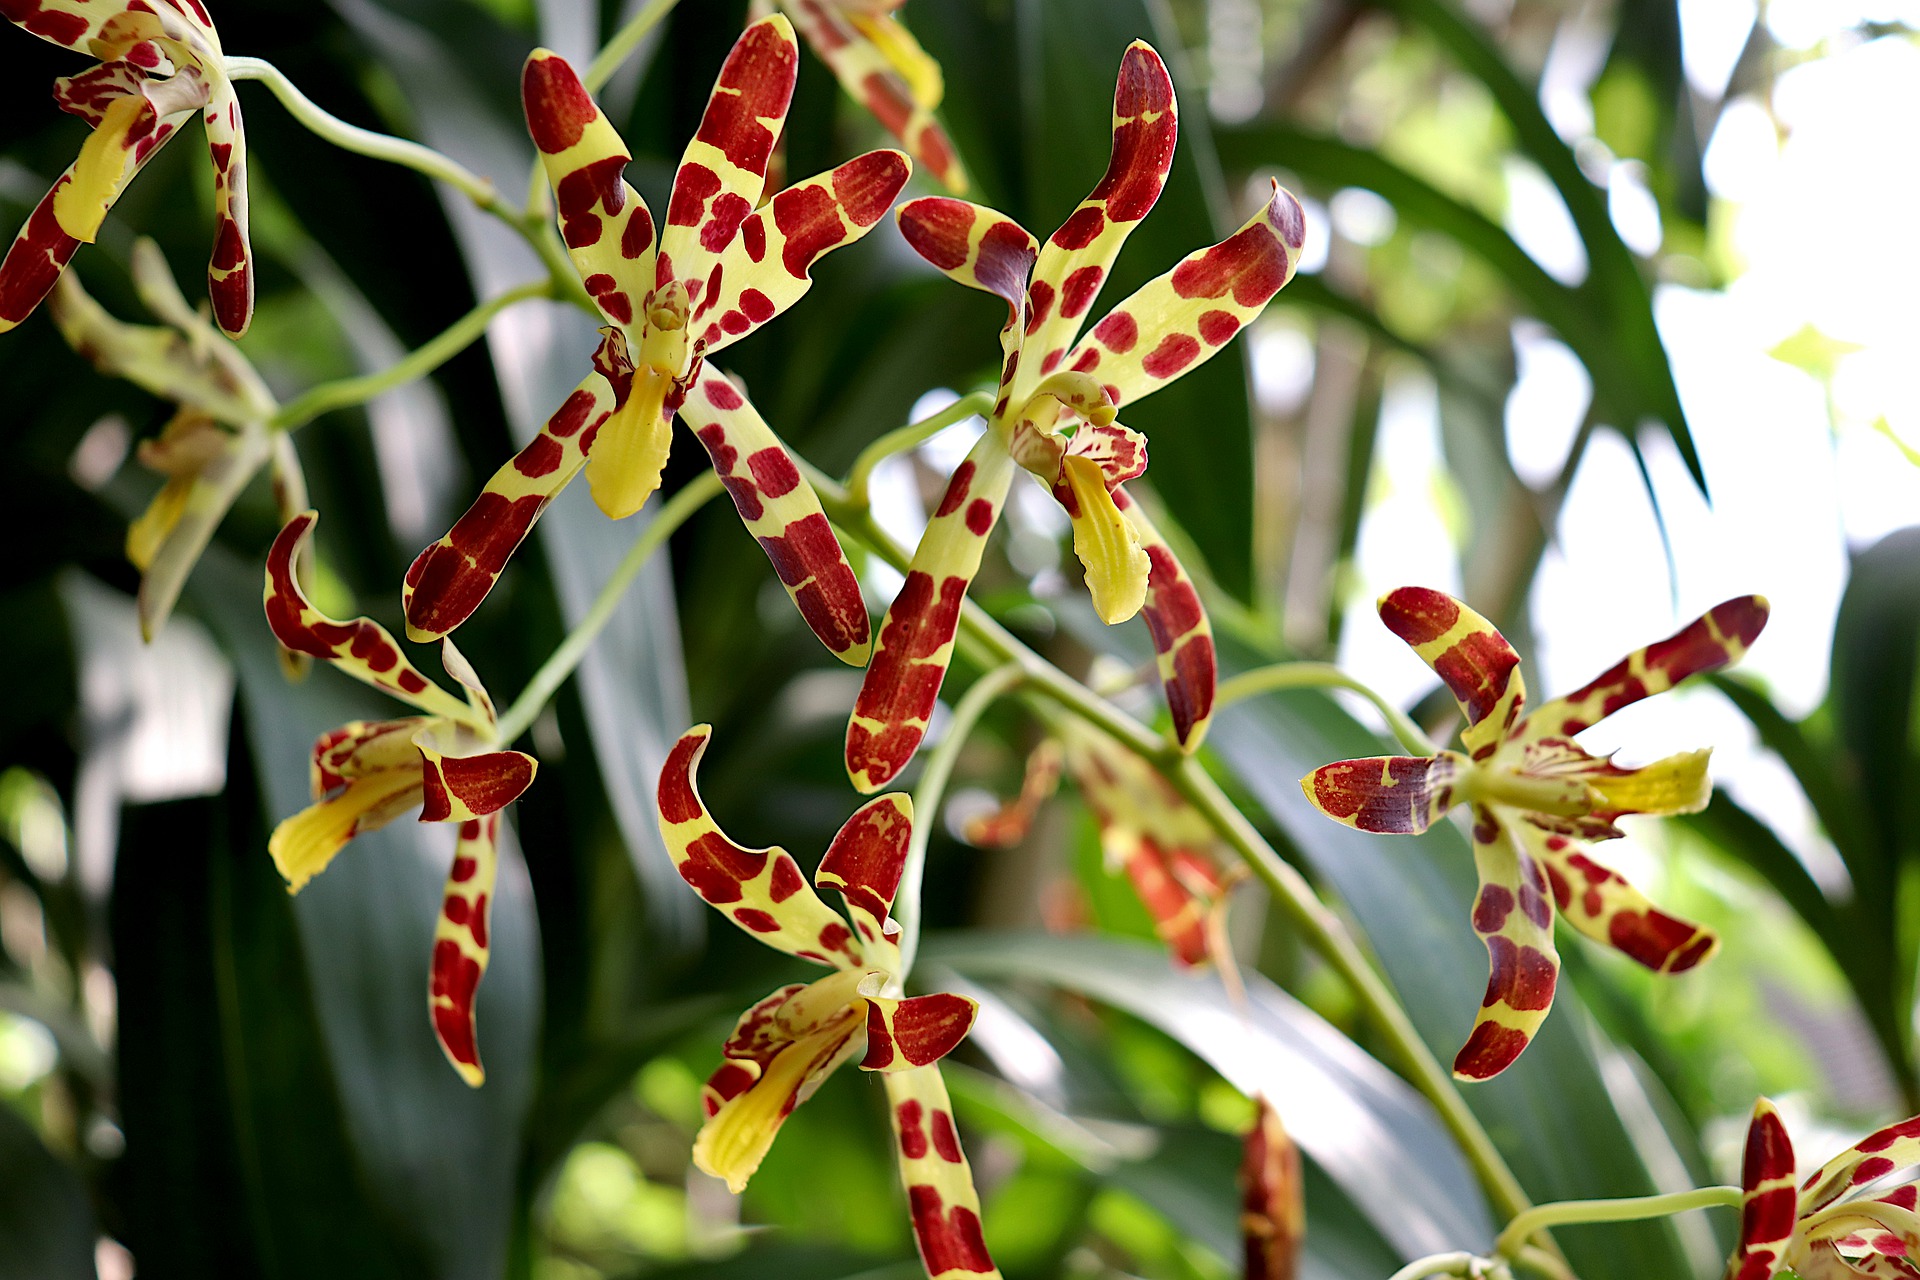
column 555, row 670
column 329, row 396
column 1320, row 928
column 1569, row 1212
column 903, row 438
column 1439, row 1264
column 378, row 146
column 624, row 42
column 932, row 789
column 1322, row 675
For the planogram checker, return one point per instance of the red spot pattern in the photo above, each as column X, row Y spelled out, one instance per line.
column 1491, row 908
column 581, row 197
column 945, row 1140
column 558, row 106
column 1039, row 303
column 693, row 186
column 1656, row 939
column 1419, row 615
column 1251, row 264
column 808, row 559
column 1117, row 333
column 879, row 1043
column 980, row 514
column 1353, row 790
column 482, row 783
column 451, row 578
column 1005, row 263
column 35, row 260
column 949, row 1240
column 1190, row 690
column 867, row 857
column 757, row 920
column 1881, row 1139
column 926, row 1028
column 1490, row 1050
column 786, row 880
column 913, row 1139
column 1175, row 352
column 809, row 218
column 1079, row 290
column 716, row 867
column 866, row 185
column 761, row 70
column 541, row 457
column 902, row 684
column 1217, row 326
column 1173, row 908
column 65, row 29
column 455, row 980
column 1081, row 228
column 675, row 795
column 937, row 228
column 1522, row 978
column 1142, row 148
column 463, row 868
column 1477, row 670
column 774, row 472
column 957, row 488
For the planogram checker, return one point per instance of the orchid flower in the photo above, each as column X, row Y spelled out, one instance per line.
column 367, row 773
column 786, row 1044
column 1839, row 1225
column 1537, row 798
column 1048, row 383
column 1273, row 1209
column 209, row 450
column 879, row 63
column 160, row 62
column 720, row 270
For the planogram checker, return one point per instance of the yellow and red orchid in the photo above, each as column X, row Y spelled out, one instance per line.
column 217, row 441
column 723, row 265
column 880, row 64
column 1273, row 1207
column 367, row 773
column 1048, row 384
column 786, row 1044
column 160, row 62
column 1849, row 1221
column 1537, row 798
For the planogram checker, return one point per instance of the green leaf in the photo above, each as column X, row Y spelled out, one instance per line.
column 1348, row 1112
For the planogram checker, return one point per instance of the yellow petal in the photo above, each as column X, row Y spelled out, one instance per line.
column 1677, row 784
column 304, row 844
column 146, row 534
column 1106, row 543
column 904, row 54
column 630, row 451
column 736, row 1139
column 105, row 164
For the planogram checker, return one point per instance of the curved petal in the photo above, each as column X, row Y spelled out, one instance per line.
column 1767, row 1210
column 736, row 1137
column 1873, row 1157
column 461, row 782
column 1675, row 784
column 1106, row 542
column 1718, row 638
column 105, row 30
column 627, row 453
column 1600, row 903
column 304, row 844
column 782, row 512
column 360, row 648
column 1514, row 919
column 983, row 249
column 1182, row 634
column 888, row 80
column 723, row 172
column 1389, row 795
column 865, row 862
column 167, row 541
column 604, row 222
column 230, row 270
column 904, row 1034
column 448, row 580
column 360, row 749
column 938, row 1179
column 1178, row 322
column 461, row 945
column 761, row 890
column 1469, row 655
column 916, row 639
column 1075, row 259
column 765, row 267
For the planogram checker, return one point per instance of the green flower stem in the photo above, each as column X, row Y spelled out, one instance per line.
column 904, row 438
column 932, row 789
column 329, row 396
column 1321, row 675
column 1439, row 1264
column 378, row 146
column 1569, row 1212
column 1320, row 928
column 624, row 42
column 555, row 670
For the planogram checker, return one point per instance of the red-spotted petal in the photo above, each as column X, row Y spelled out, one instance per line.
column 897, row 697
column 461, row 783
column 1182, row 634
column 1273, row 1210
column 1514, row 918
column 1469, row 655
column 1768, row 1208
column 782, row 512
column 865, row 862
column 1873, row 1157
column 983, row 249
column 904, row 1034
column 1600, row 903
column 462, row 944
column 938, row 1179
column 760, row 890
column 1718, row 638
column 1391, row 795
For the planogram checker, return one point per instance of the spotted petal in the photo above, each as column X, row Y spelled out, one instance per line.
column 917, row 1031
column 766, row 266
column 1075, row 259
column 1182, row 634
column 230, row 269
column 916, row 640
column 1469, row 655
column 107, row 31
column 604, row 222
column 1718, row 638
column 938, row 1179
column 865, row 862
column 1600, row 903
column 304, row 844
column 361, row 648
column 1514, row 919
column 462, row 943
column 360, row 749
column 761, row 890
column 449, row 579
column 1177, row 322
column 783, row 514
column 1873, row 1157
column 1768, row 1208
column 462, row 780
column 1390, row 795
column 723, row 171
column 1273, row 1211
column 983, row 249
column 884, row 75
